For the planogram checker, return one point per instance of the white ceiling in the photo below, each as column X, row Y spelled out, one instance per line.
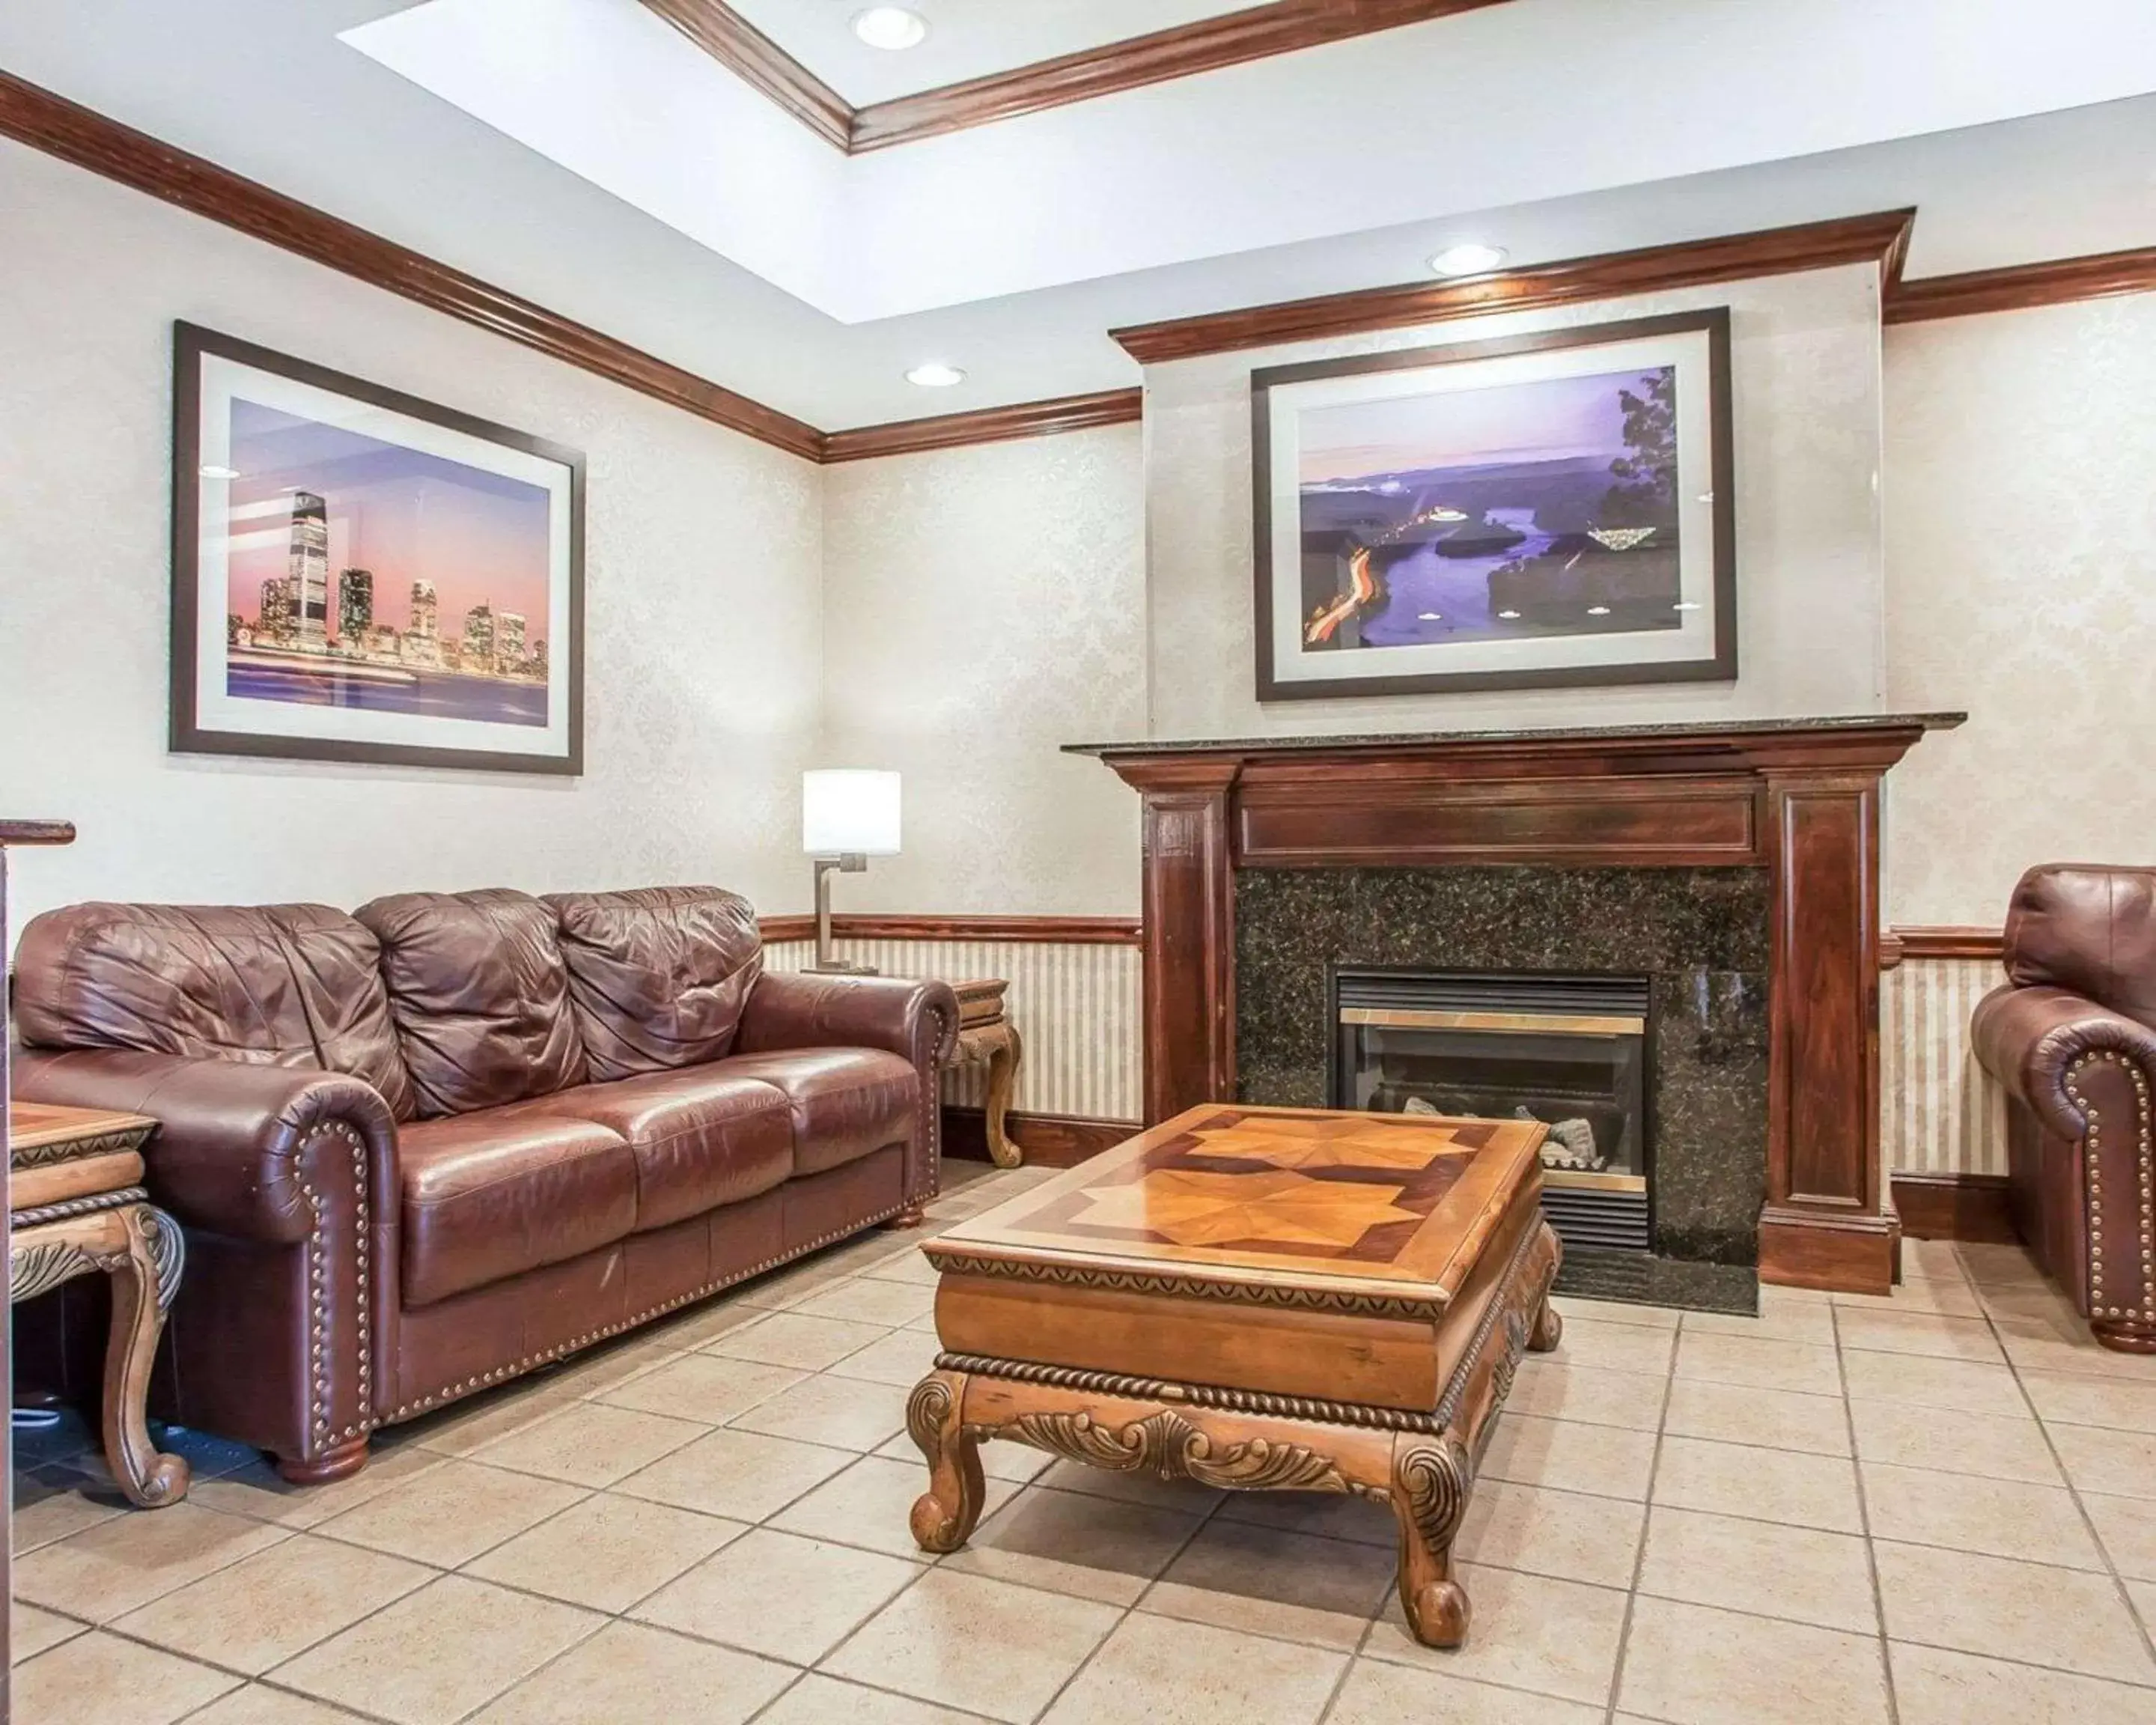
column 967, row 38
column 699, row 223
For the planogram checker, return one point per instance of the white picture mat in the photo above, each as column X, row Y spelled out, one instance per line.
column 216, row 711
column 1694, row 637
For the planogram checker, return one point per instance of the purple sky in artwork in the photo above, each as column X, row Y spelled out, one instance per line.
column 1545, row 421
column 403, row 514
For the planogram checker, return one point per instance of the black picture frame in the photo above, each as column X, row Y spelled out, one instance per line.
column 189, row 734
column 1720, row 665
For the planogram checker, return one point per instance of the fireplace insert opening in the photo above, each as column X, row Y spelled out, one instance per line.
column 1570, row 1051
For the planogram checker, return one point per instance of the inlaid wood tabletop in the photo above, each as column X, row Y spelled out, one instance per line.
column 1393, row 1204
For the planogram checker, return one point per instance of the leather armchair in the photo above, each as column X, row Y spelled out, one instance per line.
column 2072, row 1036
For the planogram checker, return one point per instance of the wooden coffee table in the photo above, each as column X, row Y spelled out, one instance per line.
column 1261, row 1299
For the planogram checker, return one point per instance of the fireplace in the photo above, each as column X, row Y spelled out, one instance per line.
column 1734, row 863
column 1569, row 1051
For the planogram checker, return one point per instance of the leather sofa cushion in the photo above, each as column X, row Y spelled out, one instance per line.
column 479, row 995
column 701, row 1137
column 487, row 1195
column 273, row 985
column 657, row 976
column 2089, row 930
column 846, row 1101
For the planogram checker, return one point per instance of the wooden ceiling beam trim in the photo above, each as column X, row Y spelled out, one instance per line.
column 988, row 425
column 2018, row 287
column 89, row 140
column 1202, row 45
column 738, row 45
column 1879, row 238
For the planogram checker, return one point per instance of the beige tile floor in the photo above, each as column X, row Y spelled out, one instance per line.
column 1934, row 1509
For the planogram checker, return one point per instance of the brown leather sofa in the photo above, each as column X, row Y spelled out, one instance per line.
column 2073, row 1036
column 426, row 1146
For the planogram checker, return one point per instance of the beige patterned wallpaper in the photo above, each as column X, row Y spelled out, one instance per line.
column 984, row 606
column 701, row 594
column 2021, row 542
column 1940, row 1112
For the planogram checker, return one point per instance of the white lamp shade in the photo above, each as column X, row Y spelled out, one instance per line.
column 849, row 810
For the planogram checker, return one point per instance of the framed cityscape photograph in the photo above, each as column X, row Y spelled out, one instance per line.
column 1525, row 513
column 359, row 575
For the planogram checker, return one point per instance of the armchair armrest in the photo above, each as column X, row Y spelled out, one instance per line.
column 917, row 1019
column 2030, row 1040
column 227, row 1153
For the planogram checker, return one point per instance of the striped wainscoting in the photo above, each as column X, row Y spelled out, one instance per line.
column 1942, row 1113
column 1076, row 1006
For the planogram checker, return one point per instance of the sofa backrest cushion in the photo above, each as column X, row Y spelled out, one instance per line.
column 272, row 985
column 480, row 997
column 2088, row 928
column 658, row 976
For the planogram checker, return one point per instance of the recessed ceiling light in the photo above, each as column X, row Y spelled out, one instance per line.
column 935, row 375
column 211, row 470
column 892, row 27
column 1687, row 605
column 1597, row 610
column 1468, row 258
column 1508, row 615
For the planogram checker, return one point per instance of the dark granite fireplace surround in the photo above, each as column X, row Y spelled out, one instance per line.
column 1699, row 934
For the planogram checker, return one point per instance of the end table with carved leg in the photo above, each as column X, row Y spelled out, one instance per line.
column 986, row 1037
column 77, row 1205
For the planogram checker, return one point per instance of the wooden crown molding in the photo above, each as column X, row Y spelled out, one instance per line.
column 1881, row 238
column 38, row 832
column 89, row 140
column 1026, row 931
column 1202, row 45
column 988, row 425
column 2021, row 286
column 742, row 49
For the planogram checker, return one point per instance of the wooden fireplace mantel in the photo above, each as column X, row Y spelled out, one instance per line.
column 1798, row 797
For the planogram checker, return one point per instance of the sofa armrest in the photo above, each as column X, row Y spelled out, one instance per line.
column 286, row 1179
column 917, row 1020
column 787, row 1009
column 2031, row 1040
column 227, row 1155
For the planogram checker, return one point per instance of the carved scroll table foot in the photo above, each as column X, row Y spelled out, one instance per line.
column 139, row 1247
column 945, row 1515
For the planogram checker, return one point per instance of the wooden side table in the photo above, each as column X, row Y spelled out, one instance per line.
column 76, row 1204
column 986, row 1037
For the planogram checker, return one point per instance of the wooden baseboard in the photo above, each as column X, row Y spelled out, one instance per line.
column 1048, row 1140
column 1955, row 1207
column 1839, row 1252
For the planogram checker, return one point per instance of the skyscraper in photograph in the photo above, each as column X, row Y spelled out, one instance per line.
column 355, row 606
column 274, row 622
column 478, row 653
column 509, row 642
column 310, row 568
column 425, row 622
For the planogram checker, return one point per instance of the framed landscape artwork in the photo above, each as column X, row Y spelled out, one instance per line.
column 358, row 575
column 1540, row 510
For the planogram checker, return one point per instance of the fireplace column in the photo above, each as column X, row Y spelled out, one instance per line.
column 1189, row 921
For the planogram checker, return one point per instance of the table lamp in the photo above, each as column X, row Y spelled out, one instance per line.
column 848, row 815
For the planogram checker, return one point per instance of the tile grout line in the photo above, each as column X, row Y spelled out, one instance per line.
column 1646, row 1528
column 2088, row 1523
column 1863, row 1524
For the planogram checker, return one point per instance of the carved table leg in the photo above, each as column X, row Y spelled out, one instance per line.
column 1003, row 1079
column 1549, row 1328
column 1430, row 1480
column 143, row 1282
column 944, row 1514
